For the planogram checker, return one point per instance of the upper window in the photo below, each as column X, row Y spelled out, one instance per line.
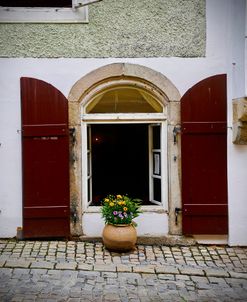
column 36, row 3
column 44, row 11
column 124, row 100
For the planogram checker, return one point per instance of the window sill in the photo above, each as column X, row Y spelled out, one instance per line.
column 43, row 15
column 144, row 209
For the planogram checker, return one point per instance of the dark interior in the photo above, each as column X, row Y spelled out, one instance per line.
column 120, row 161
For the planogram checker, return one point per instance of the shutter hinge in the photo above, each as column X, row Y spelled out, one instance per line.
column 177, row 211
column 176, row 130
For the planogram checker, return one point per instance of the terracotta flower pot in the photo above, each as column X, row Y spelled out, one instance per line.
column 120, row 237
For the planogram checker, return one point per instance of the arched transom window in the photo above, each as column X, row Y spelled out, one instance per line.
column 124, row 99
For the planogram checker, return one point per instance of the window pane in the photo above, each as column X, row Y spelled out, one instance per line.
column 124, row 100
column 89, row 189
column 88, row 138
column 157, row 189
column 88, row 164
column 156, row 163
column 156, row 137
column 36, row 3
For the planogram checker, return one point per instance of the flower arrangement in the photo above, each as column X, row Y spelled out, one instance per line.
column 120, row 209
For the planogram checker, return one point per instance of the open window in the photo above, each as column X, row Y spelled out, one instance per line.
column 124, row 130
column 36, row 3
column 125, row 158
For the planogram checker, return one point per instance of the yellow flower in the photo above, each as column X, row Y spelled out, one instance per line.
column 120, row 203
column 106, row 200
column 111, row 204
column 125, row 209
column 119, row 196
column 123, row 203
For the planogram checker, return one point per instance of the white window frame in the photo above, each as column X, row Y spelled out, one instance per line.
column 89, row 165
column 151, row 153
column 110, row 119
column 78, row 13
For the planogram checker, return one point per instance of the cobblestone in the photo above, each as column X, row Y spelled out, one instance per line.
column 17, row 263
column 83, row 271
column 42, row 264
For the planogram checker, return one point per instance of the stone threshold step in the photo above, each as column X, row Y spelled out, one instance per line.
column 169, row 240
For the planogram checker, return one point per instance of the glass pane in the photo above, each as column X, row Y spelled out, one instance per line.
column 157, row 189
column 156, row 163
column 124, row 100
column 88, row 138
column 89, row 189
column 156, row 137
column 88, row 164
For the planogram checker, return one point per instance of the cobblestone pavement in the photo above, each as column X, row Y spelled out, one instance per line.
column 81, row 271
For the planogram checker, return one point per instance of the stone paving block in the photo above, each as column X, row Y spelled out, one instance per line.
column 124, row 268
column 164, row 277
column 17, row 263
column 216, row 273
column 21, row 271
column 66, row 265
column 217, row 280
column 126, row 276
column 191, row 271
column 238, row 275
column 199, row 279
column 148, row 269
column 109, row 275
column 105, row 268
column 166, row 269
column 85, row 267
column 183, row 277
column 42, row 264
column 2, row 262
column 88, row 274
column 38, row 271
column 5, row 272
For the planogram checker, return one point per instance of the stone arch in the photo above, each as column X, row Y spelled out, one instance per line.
column 153, row 81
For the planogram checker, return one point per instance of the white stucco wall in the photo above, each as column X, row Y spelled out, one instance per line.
column 224, row 47
column 237, row 154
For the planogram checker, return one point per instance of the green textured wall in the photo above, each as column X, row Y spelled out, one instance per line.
column 116, row 28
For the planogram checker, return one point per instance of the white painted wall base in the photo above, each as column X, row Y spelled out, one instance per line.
column 149, row 224
column 211, row 239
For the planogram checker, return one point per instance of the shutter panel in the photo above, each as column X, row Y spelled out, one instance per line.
column 204, row 157
column 45, row 160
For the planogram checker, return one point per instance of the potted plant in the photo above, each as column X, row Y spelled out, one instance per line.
column 118, row 212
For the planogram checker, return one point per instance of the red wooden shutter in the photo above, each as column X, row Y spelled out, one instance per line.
column 45, row 160
column 204, row 157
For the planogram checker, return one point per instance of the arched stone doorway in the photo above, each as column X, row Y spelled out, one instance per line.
column 81, row 93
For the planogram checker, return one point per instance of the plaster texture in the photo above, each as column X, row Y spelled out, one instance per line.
column 116, row 28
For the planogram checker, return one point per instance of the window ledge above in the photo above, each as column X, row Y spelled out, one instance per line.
column 43, row 15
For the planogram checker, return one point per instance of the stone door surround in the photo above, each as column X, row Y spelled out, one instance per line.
column 156, row 83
